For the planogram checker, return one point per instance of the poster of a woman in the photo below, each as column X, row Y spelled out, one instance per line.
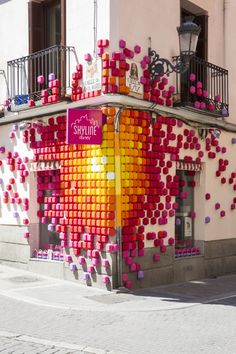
column 134, row 71
column 133, row 79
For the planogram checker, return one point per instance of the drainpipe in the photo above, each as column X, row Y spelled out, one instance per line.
column 95, row 15
column 230, row 49
column 118, row 198
column 226, row 9
column 224, row 36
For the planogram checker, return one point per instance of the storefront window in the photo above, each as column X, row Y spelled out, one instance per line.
column 49, row 235
column 184, row 226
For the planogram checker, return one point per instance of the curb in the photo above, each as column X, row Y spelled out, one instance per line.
column 53, row 344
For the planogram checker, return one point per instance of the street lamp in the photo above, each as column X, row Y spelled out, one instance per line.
column 188, row 36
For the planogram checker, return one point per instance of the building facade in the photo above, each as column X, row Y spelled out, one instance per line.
column 111, row 174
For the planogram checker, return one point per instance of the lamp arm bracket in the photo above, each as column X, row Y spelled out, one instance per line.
column 161, row 66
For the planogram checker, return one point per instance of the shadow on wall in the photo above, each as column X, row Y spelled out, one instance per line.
column 3, row 1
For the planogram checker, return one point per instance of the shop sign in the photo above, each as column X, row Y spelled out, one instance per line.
column 84, row 126
column 188, row 166
column 92, row 76
column 133, row 76
column 44, row 165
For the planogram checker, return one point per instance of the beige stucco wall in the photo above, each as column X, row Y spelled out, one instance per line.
column 230, row 54
column 80, row 24
column 221, row 227
column 137, row 20
column 14, row 36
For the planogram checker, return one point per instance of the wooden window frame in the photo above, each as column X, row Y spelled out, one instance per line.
column 31, row 6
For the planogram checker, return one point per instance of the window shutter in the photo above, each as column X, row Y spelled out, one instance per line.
column 36, row 27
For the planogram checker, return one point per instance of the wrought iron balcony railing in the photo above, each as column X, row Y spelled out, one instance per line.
column 22, row 73
column 203, row 87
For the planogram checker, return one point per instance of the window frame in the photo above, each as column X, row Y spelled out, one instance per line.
column 36, row 10
column 181, row 215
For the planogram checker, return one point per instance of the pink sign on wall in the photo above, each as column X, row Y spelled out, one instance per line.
column 84, row 126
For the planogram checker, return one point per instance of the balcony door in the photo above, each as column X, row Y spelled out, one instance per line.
column 202, row 21
column 46, row 29
column 46, row 24
column 200, row 17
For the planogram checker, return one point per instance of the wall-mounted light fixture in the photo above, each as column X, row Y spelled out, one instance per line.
column 188, row 36
column 31, row 124
column 203, row 132
column 24, row 125
column 38, row 123
column 215, row 132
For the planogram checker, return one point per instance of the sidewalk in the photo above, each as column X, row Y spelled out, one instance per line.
column 44, row 291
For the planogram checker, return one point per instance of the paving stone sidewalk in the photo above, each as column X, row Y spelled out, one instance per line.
column 44, row 315
column 12, row 343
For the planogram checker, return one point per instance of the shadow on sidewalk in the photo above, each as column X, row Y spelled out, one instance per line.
column 221, row 290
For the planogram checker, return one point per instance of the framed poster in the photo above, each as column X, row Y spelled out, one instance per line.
column 133, row 79
column 92, row 76
column 187, row 226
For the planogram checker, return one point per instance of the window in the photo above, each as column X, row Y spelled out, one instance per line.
column 200, row 17
column 49, row 235
column 52, row 24
column 46, row 29
column 46, row 24
column 184, row 226
column 202, row 21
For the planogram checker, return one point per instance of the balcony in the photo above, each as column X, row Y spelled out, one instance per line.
column 22, row 73
column 203, row 88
